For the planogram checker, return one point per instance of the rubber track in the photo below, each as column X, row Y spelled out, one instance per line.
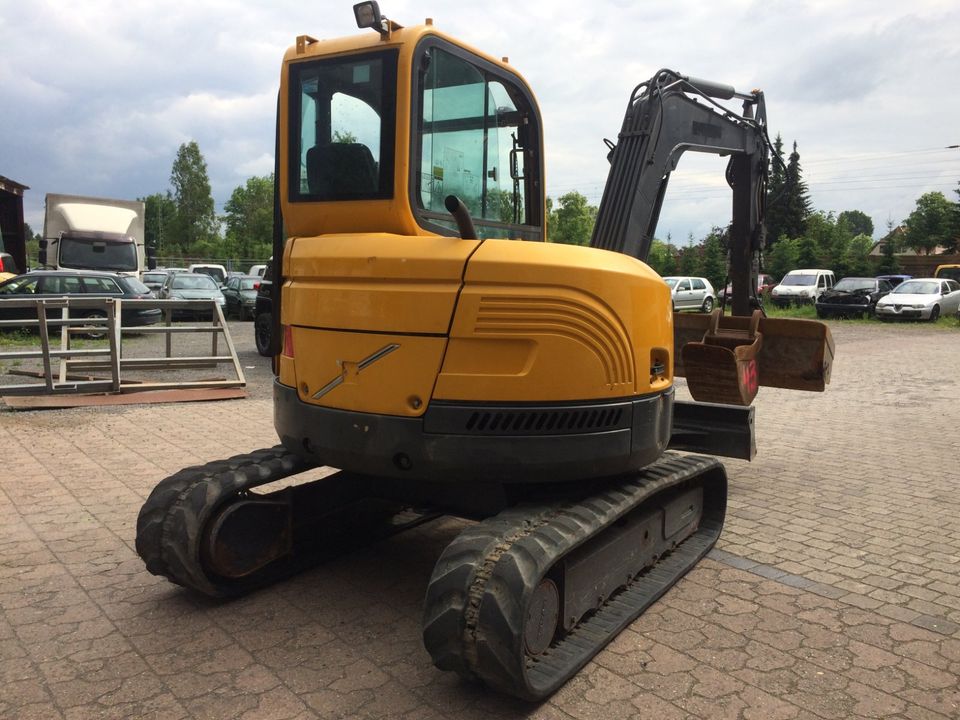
column 476, row 601
column 170, row 523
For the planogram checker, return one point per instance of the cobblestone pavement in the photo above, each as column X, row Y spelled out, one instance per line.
column 834, row 591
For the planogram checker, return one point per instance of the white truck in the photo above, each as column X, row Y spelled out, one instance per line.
column 90, row 233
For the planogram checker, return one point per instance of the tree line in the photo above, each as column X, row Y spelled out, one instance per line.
column 182, row 223
column 797, row 234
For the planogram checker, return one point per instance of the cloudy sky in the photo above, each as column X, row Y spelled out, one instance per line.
column 97, row 95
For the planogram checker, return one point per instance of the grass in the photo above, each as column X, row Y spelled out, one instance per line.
column 808, row 312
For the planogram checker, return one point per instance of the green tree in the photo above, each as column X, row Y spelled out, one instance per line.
column 856, row 222
column 662, row 258
column 857, row 257
column 713, row 264
column 501, row 206
column 249, row 219
column 890, row 246
column 196, row 226
column 792, row 208
column 783, row 257
column 690, row 262
column 160, row 224
column 954, row 244
column 930, row 224
column 775, row 216
column 573, row 219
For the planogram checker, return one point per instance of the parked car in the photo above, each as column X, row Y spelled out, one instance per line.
column 802, row 287
column 257, row 270
column 894, row 280
column 217, row 272
column 691, row 293
column 8, row 268
column 852, row 296
column 85, row 283
column 241, row 295
column 263, row 312
column 191, row 286
column 154, row 279
column 920, row 299
column 764, row 283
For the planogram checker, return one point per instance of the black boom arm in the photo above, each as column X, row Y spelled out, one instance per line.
column 666, row 116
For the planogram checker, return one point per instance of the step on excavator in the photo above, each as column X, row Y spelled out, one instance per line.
column 434, row 348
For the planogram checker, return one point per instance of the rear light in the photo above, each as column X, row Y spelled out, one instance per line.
column 1, row 265
column 256, row 286
column 287, row 341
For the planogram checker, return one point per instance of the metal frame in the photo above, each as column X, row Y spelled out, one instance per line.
column 60, row 365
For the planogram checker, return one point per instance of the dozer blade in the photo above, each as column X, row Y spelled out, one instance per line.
column 795, row 354
column 524, row 599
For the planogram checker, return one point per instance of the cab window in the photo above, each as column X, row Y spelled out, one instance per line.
column 476, row 137
column 342, row 127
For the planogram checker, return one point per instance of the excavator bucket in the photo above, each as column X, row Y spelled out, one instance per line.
column 722, row 366
column 726, row 359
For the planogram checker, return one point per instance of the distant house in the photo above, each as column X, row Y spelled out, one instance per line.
column 911, row 262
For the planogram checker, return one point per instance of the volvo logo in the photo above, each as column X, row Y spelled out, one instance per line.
column 349, row 370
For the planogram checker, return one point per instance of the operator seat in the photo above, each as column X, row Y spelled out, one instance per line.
column 341, row 169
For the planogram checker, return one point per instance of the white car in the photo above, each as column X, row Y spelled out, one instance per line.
column 802, row 287
column 691, row 293
column 920, row 299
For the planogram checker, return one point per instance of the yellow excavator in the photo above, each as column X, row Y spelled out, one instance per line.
column 433, row 346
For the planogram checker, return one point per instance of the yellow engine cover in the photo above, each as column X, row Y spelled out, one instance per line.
column 550, row 323
column 384, row 323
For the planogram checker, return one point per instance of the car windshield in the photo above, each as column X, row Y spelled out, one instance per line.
column 135, row 286
column 193, row 282
column 792, row 279
column 154, row 277
column 249, row 283
column 852, row 284
column 917, row 287
column 671, row 281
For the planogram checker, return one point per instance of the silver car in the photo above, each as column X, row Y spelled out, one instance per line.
column 691, row 293
column 920, row 299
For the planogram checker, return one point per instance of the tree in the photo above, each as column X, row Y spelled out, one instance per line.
column 196, row 225
column 890, row 246
column 775, row 188
column 502, row 205
column 662, row 258
column 930, row 224
column 249, row 219
column 573, row 219
column 713, row 264
column 954, row 245
column 857, row 257
column 160, row 224
column 783, row 257
column 789, row 208
column 856, row 222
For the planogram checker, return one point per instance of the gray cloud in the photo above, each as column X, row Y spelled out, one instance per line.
column 98, row 95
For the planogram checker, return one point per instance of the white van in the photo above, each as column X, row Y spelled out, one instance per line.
column 217, row 272
column 802, row 287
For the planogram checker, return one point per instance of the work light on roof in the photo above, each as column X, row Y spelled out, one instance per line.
column 368, row 15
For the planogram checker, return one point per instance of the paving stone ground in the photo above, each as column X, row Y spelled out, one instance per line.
column 834, row 591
